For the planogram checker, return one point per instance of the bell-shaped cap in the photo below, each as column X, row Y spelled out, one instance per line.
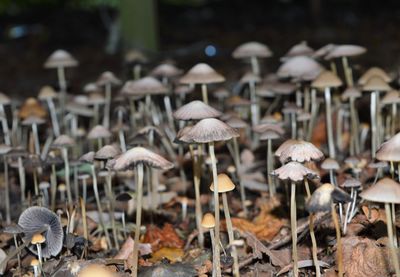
column 376, row 83
column 137, row 155
column 31, row 107
column 345, row 50
column 301, row 151
column 327, row 79
column 63, row 141
column 300, row 49
column 196, row 110
column 294, row 172
column 208, row 221
column 107, row 152
column 47, row 92
column 374, row 71
column 300, row 68
column 225, row 183
column 385, row 190
column 166, row 70
column 252, row 49
column 330, row 164
column 60, row 58
column 144, row 86
column 202, row 74
column 106, row 78
column 390, row 150
column 99, row 131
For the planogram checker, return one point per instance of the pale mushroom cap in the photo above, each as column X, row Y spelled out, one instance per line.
column 99, row 131
column 300, row 49
column 391, row 97
column 323, row 197
column 250, row 77
column 269, row 135
column 202, row 74
column 138, row 155
column 345, row 50
column 252, row 49
column 285, row 145
column 144, row 86
column 107, row 152
column 330, row 164
column 33, row 120
column 300, row 68
column 264, row 127
column 301, row 151
column 107, row 77
column 4, row 99
column 88, row 157
column 209, row 130
column 60, row 58
column 225, row 183
column 323, row 51
column 390, row 150
column 351, row 92
column 166, row 70
column 208, row 221
column 91, row 87
column 63, row 141
column 374, row 71
column 38, row 238
column 294, row 172
column 135, row 55
column 47, row 92
column 376, row 83
column 236, row 122
column 327, row 79
column 384, row 191
column 196, row 110
column 351, row 183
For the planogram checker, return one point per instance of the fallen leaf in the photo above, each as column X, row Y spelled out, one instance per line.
column 172, row 254
column 374, row 214
column 259, row 248
column 127, row 248
column 165, row 237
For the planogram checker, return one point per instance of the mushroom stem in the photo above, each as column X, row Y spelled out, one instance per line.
column 270, row 168
column 84, row 190
column 35, row 182
column 314, row 246
column 239, row 173
column 18, row 255
column 354, row 126
column 36, row 138
column 328, row 106
column 98, row 203
column 139, row 195
column 21, row 173
column 314, row 113
column 112, row 208
column 293, row 226
column 230, row 235
column 168, row 110
column 374, row 139
column 67, row 179
column 212, row 236
column 6, row 131
column 347, row 72
column 347, row 214
column 133, row 111
column 137, row 70
column 307, row 186
column 338, row 240
column 53, row 117
column 293, row 124
column 393, row 210
column 255, row 66
column 53, row 184
column 39, row 253
column 7, row 191
column 107, row 107
column 196, row 182
column 62, row 83
column 122, row 142
column 216, row 209
column 394, row 119
column 84, row 223
column 204, row 93
column 254, row 104
column 393, row 250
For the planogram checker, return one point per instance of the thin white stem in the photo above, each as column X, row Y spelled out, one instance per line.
column 139, row 196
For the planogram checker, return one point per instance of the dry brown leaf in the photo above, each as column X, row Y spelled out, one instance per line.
column 127, row 248
column 375, row 214
column 172, row 254
column 165, row 237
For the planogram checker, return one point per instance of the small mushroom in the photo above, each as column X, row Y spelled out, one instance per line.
column 37, row 240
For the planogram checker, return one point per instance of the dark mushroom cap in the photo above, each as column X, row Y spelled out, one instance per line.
column 31, row 107
column 137, row 155
column 323, row 197
column 41, row 220
column 294, row 172
column 196, row 110
column 209, row 130
column 202, row 74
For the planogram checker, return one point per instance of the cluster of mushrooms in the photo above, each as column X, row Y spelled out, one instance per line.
column 117, row 148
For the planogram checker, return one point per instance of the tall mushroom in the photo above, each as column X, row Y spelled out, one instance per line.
column 253, row 51
column 107, row 79
column 99, row 133
column 48, row 94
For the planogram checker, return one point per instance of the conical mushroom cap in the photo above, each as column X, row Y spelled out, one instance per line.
column 252, row 49
column 294, row 172
column 99, row 131
column 345, row 50
column 285, row 145
column 376, row 83
column 330, row 164
column 166, row 70
column 351, row 183
column 47, row 92
column 300, row 68
column 391, row 97
column 144, row 86
column 323, row 51
column 88, row 157
column 269, row 135
column 390, row 150
column 4, row 99
column 107, row 152
column 60, row 58
column 323, row 197
column 384, row 191
column 209, row 130
column 63, row 141
column 351, row 92
column 31, row 107
column 196, row 110
column 250, row 77
column 264, row 127
column 302, row 151
column 236, row 123
column 137, row 155
column 208, row 221
column 374, row 71
column 300, row 49
column 327, row 79
column 108, row 77
column 225, row 183
column 41, row 220
column 202, row 74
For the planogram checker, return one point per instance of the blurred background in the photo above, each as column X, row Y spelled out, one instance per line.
column 99, row 32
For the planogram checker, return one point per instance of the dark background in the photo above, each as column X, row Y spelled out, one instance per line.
column 31, row 30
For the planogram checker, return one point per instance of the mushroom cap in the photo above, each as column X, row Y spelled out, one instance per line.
column 38, row 238
column 166, row 70
column 303, row 116
column 250, row 77
column 237, row 101
column 88, row 157
column 225, row 183
column 31, row 120
column 99, row 131
column 63, row 141
column 108, row 77
column 208, row 221
column 13, row 228
column 135, row 56
column 323, row 51
column 79, row 109
column 300, row 49
column 91, row 87
column 196, row 110
column 351, row 183
column 262, row 128
column 4, row 99
column 95, row 270
column 374, row 71
column 34, row 262
column 351, row 92
column 285, row 145
column 300, row 68
column 60, row 58
column 202, row 74
column 384, row 191
column 391, row 97
column 144, row 86
column 269, row 135
column 209, row 130
column 138, row 155
column 236, row 123
column 168, row 270
column 323, row 197
column 301, row 151
column 376, row 83
column 377, row 164
column 345, row 50
column 47, row 92
column 252, row 49
column 31, row 107
column 221, row 93
column 327, row 79
column 330, row 164
column 390, row 149
column 41, row 220
column 294, row 172
column 107, row 152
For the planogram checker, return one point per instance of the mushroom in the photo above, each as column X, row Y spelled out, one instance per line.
column 323, row 200
column 300, row 49
column 225, row 185
column 252, row 50
column 83, row 178
column 99, row 133
column 392, row 99
column 389, row 152
column 208, row 222
column 295, row 172
column 352, row 94
column 47, row 94
column 107, row 79
column 326, row 81
column 53, row 161
column 36, row 267
column 34, row 122
column 210, row 130
column 354, row 185
column 202, row 74
column 5, row 100
column 138, row 157
column 44, row 186
column 136, row 59
column 37, row 240
column 64, row 142
column 15, row 230
column 20, row 154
